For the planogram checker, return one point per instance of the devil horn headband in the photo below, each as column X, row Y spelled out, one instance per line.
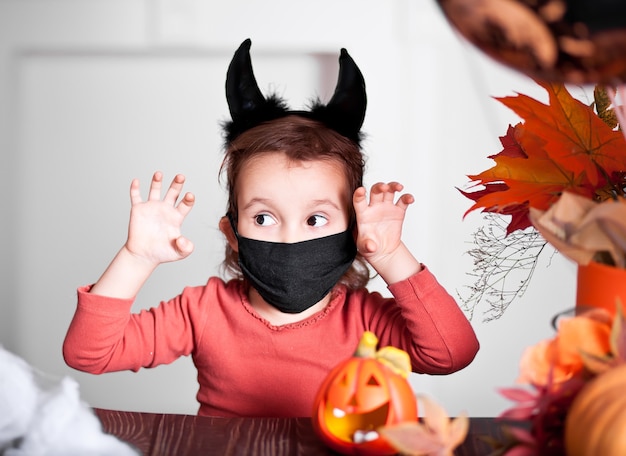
column 248, row 107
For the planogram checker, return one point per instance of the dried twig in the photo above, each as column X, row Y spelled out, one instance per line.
column 503, row 266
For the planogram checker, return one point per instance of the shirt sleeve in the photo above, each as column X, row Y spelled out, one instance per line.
column 426, row 322
column 104, row 336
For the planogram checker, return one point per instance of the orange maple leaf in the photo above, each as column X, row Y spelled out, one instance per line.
column 563, row 145
column 574, row 134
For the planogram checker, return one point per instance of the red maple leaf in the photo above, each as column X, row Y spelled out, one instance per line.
column 563, row 145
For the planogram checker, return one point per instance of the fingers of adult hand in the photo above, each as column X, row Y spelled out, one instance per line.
column 173, row 192
column 135, row 193
column 155, row 186
column 186, row 203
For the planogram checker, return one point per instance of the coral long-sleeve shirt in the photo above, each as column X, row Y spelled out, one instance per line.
column 248, row 367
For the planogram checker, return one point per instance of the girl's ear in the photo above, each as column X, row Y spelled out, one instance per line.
column 227, row 230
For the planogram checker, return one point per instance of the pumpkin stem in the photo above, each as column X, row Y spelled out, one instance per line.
column 367, row 345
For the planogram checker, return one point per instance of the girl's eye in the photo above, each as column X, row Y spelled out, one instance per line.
column 264, row 220
column 316, row 220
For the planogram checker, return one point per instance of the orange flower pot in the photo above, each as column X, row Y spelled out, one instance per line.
column 600, row 285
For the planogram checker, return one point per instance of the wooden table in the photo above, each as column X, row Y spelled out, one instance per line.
column 187, row 435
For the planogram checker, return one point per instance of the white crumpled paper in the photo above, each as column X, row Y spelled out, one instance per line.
column 41, row 416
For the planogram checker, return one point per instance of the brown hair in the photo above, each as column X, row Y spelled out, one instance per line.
column 300, row 139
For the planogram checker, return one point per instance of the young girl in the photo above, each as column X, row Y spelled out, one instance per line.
column 300, row 232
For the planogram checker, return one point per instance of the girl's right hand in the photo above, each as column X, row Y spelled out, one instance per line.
column 154, row 232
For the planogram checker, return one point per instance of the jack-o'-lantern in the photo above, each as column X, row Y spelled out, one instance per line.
column 361, row 394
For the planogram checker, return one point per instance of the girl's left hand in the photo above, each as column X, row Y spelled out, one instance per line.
column 379, row 222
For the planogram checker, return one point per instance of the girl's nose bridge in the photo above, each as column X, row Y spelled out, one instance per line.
column 290, row 232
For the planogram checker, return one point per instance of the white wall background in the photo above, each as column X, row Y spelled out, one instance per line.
column 94, row 93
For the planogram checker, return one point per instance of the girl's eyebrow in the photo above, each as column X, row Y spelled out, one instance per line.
column 257, row 200
column 324, row 202
column 313, row 203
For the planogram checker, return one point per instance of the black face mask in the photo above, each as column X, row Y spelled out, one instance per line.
column 293, row 277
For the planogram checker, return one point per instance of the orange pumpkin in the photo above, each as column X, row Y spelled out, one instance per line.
column 361, row 394
column 596, row 421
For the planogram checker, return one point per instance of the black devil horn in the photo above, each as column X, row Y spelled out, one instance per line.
column 242, row 91
column 345, row 111
column 248, row 107
column 349, row 98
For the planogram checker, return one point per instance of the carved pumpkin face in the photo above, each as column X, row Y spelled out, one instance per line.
column 359, row 396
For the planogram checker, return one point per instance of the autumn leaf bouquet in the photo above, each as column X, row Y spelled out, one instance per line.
column 560, row 178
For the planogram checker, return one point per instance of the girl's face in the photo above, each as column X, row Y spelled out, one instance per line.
column 285, row 201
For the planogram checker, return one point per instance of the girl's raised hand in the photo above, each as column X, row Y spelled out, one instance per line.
column 154, row 232
column 379, row 221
